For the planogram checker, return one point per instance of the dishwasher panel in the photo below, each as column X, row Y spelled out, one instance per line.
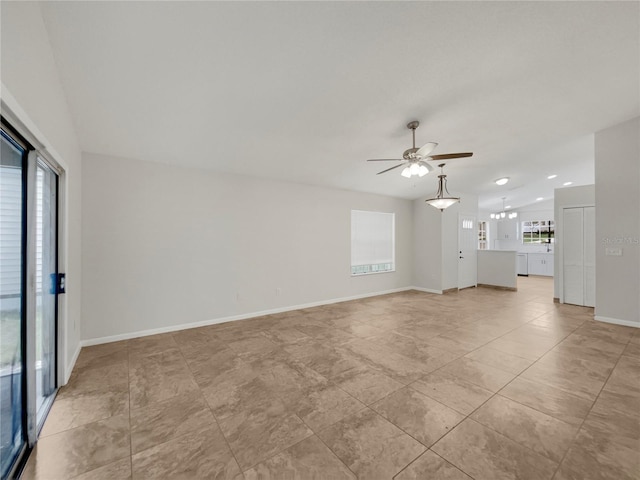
column 523, row 264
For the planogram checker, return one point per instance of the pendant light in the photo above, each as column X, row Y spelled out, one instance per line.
column 440, row 201
column 501, row 215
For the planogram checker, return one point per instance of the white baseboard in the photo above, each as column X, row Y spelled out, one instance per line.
column 244, row 316
column 616, row 321
column 427, row 290
column 72, row 362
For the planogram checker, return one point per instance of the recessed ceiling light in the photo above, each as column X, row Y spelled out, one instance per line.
column 508, row 206
column 502, row 181
column 567, row 183
column 539, row 198
column 552, row 176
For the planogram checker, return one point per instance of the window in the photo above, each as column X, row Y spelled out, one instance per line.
column 372, row 242
column 482, row 235
column 538, row 231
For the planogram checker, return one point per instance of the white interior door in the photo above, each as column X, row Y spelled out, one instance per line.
column 467, row 251
column 589, row 229
column 573, row 255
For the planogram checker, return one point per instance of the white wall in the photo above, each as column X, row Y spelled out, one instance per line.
column 427, row 247
column 580, row 196
column 165, row 246
column 436, row 243
column 32, row 91
column 617, row 193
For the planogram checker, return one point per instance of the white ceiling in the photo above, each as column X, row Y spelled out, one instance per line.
column 307, row 92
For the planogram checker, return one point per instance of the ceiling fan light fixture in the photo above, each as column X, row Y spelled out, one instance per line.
column 424, row 168
column 413, row 158
column 502, row 181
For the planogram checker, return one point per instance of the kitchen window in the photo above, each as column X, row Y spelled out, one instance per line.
column 538, row 231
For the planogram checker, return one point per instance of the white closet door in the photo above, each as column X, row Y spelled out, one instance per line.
column 589, row 256
column 573, row 255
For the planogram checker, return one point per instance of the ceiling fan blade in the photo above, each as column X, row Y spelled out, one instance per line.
column 385, row 160
column 384, row 171
column 426, row 149
column 447, row 156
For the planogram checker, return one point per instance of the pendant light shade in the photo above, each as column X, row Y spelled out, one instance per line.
column 440, row 201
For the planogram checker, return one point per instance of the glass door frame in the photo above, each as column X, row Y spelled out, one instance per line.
column 22, row 452
column 30, row 423
column 36, row 162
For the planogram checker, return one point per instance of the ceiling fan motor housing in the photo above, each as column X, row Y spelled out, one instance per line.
column 410, row 153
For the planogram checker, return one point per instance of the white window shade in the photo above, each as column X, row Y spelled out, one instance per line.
column 372, row 242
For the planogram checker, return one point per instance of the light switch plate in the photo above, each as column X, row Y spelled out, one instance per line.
column 613, row 252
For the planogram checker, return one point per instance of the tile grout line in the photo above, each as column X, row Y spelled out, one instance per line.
column 330, row 382
column 435, row 453
column 313, row 433
column 590, row 409
column 581, row 423
column 492, row 396
column 215, row 419
column 328, row 447
column 468, row 416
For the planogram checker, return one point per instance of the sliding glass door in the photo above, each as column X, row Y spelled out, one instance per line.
column 12, row 326
column 28, row 295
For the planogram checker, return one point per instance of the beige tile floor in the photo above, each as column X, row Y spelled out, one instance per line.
column 481, row 384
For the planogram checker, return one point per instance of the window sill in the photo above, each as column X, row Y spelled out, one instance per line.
column 371, row 273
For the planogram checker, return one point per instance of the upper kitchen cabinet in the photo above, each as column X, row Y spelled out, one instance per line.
column 508, row 229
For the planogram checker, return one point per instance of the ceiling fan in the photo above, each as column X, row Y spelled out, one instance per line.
column 415, row 159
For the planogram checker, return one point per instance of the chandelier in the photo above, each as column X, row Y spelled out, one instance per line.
column 503, row 214
column 440, row 201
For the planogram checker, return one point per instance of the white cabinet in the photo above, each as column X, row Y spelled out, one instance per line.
column 508, row 229
column 540, row 264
